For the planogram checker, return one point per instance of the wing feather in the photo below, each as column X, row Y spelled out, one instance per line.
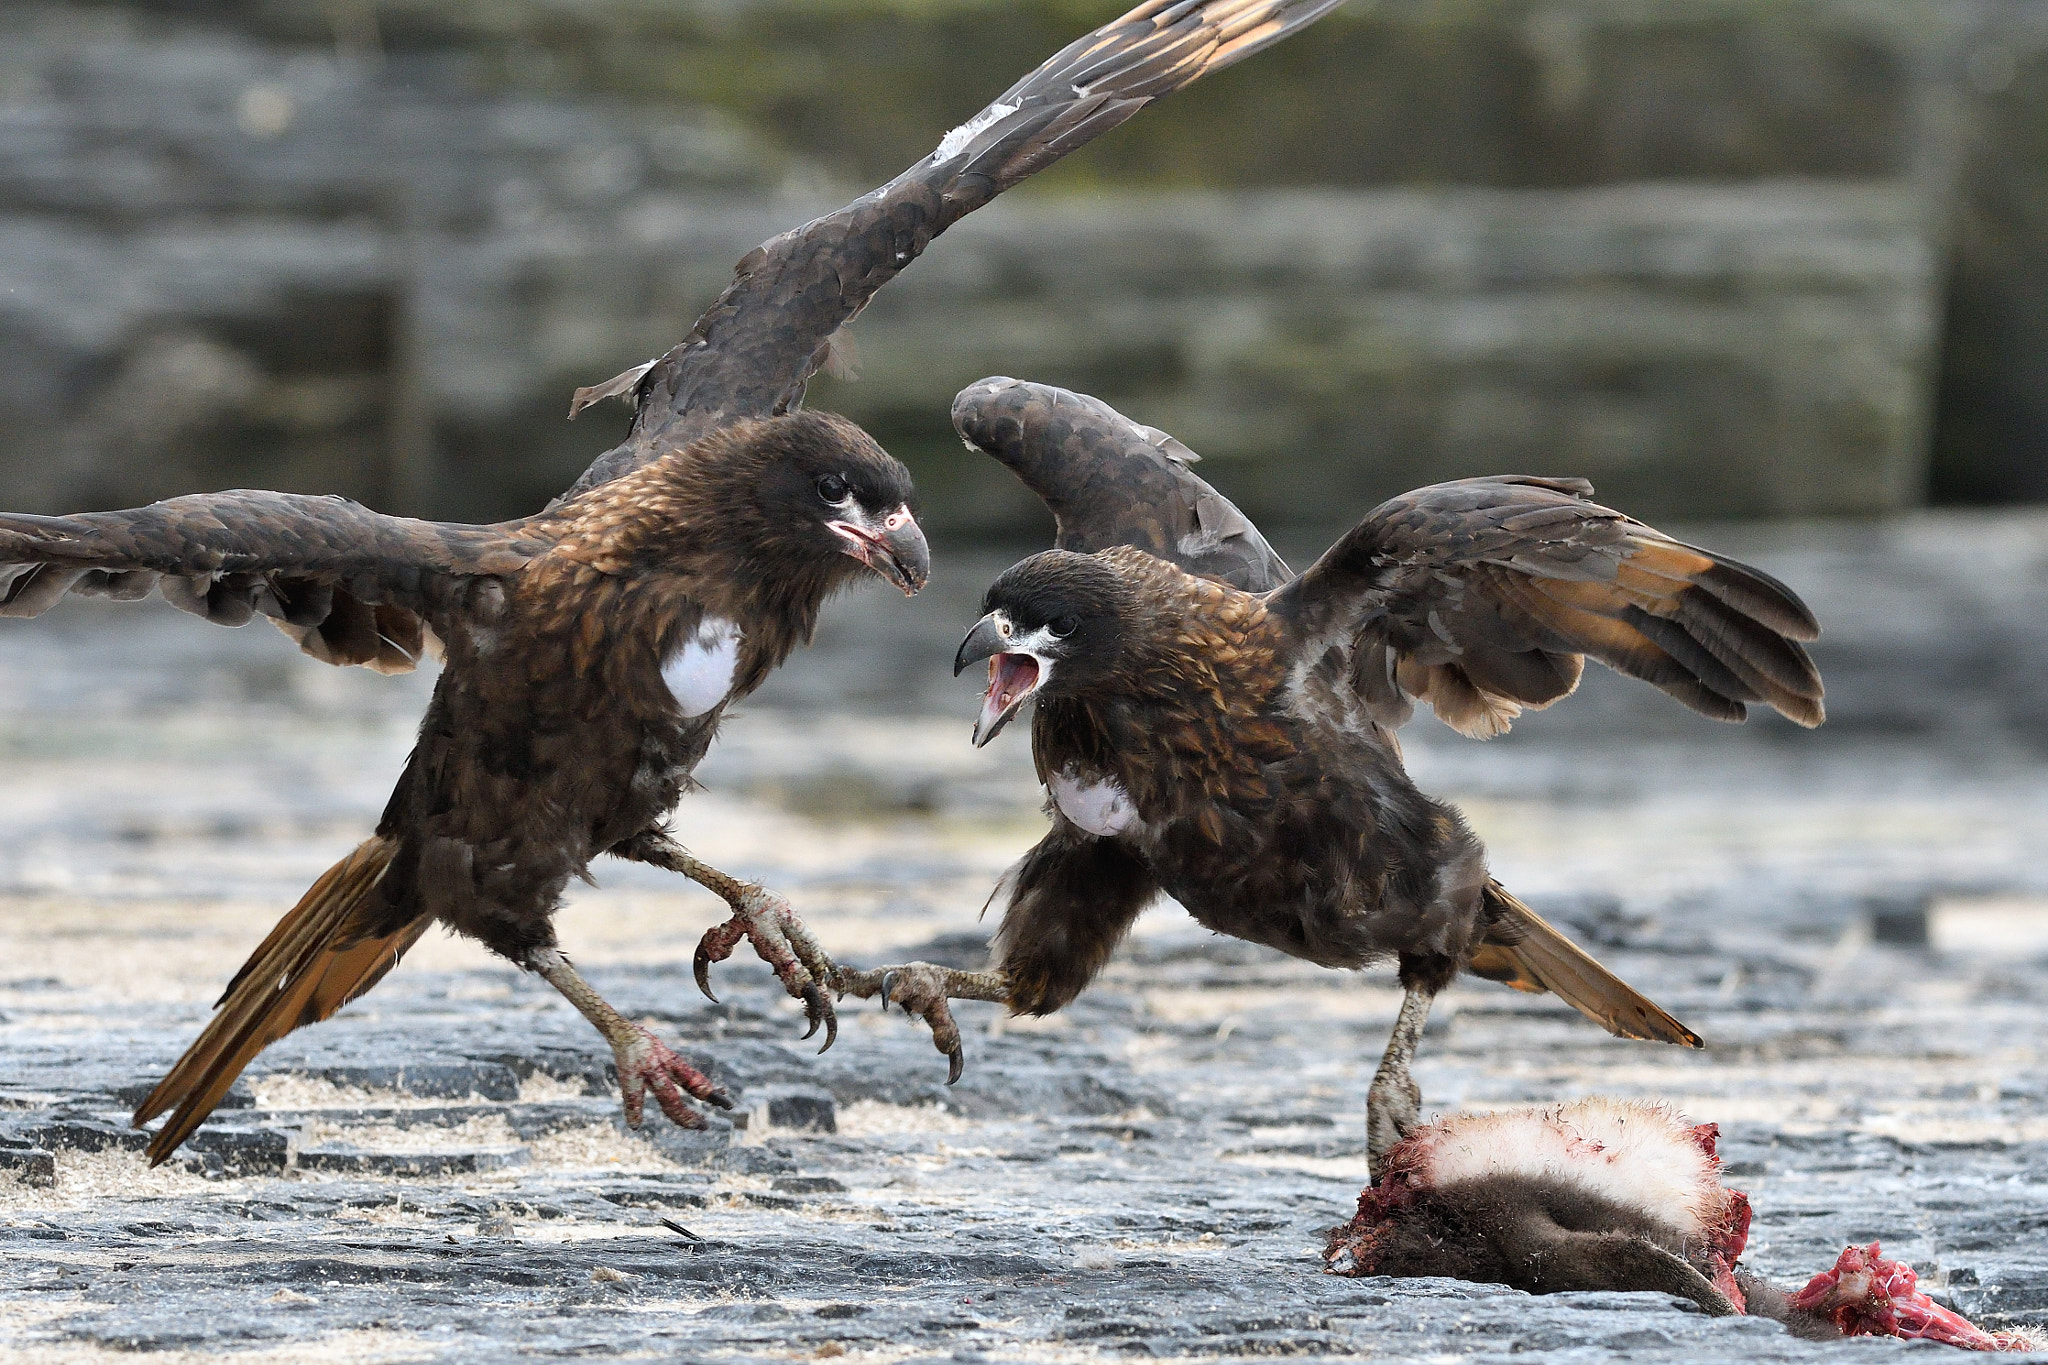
column 352, row 586
column 1109, row 481
column 755, row 348
column 1483, row 596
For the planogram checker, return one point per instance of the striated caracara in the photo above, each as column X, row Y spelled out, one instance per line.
column 1212, row 728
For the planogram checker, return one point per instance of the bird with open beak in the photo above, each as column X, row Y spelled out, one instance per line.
column 1213, row 728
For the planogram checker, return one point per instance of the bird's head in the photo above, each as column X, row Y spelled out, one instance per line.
column 1053, row 626
column 824, row 492
column 849, row 495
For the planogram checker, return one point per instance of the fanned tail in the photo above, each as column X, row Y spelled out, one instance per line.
column 1523, row 950
column 332, row 946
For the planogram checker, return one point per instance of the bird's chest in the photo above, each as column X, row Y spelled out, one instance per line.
column 701, row 670
column 1131, row 771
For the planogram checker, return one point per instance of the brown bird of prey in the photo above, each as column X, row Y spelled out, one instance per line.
column 1211, row 727
column 589, row 652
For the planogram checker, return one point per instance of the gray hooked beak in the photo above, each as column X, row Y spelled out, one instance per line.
column 893, row 546
column 1012, row 678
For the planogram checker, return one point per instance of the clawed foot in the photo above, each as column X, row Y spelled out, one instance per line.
column 785, row 943
column 923, row 989
column 759, row 916
column 646, row 1063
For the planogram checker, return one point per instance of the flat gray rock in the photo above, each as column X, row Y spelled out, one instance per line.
column 441, row 1173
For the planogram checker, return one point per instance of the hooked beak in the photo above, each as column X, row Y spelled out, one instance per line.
column 893, row 546
column 1012, row 678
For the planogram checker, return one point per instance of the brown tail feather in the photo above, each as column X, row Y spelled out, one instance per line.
column 1523, row 950
column 328, row 950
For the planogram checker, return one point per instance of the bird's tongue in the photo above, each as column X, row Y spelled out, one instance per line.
column 1011, row 677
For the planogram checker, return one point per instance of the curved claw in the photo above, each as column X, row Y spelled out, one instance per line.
column 888, row 985
column 956, row 1064
column 700, row 967
column 818, row 1009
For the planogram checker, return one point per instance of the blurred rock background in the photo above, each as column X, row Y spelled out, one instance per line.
column 1726, row 257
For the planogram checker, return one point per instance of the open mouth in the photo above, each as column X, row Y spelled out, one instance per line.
column 1012, row 678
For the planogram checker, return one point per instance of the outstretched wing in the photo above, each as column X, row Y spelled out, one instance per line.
column 1483, row 596
column 753, row 350
column 1110, row 481
column 352, row 586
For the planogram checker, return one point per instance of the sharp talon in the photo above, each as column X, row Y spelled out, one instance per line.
column 701, row 969
column 720, row 1097
column 956, row 1063
column 818, row 1010
column 821, row 1012
column 888, row 979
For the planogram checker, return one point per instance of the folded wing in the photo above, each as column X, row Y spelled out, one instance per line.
column 753, row 350
column 352, row 586
column 1484, row 596
column 1110, row 481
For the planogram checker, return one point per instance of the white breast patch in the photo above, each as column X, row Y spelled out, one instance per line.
column 1101, row 806
column 701, row 672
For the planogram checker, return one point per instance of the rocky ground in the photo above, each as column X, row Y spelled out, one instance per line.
column 1856, row 920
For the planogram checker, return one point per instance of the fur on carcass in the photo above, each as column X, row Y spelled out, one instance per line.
column 1616, row 1195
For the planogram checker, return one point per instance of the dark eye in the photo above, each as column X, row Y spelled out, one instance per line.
column 1065, row 626
column 832, row 489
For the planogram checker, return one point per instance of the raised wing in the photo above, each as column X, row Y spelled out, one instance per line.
column 1483, row 596
column 352, row 586
column 1110, row 481
column 752, row 351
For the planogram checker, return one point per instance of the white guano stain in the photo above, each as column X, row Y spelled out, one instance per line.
column 954, row 142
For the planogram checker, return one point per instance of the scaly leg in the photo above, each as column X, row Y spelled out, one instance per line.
column 1393, row 1106
column 783, row 941
column 644, row 1062
column 923, row 988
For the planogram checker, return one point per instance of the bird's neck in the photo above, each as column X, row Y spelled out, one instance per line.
column 1194, row 643
column 1187, row 704
column 682, row 536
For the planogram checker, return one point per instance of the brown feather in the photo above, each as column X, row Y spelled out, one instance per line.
column 1497, row 579
column 754, row 349
column 1669, row 559
column 1523, row 950
column 324, row 953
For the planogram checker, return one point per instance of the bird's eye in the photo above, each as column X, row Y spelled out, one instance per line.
column 833, row 490
column 1065, row 626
